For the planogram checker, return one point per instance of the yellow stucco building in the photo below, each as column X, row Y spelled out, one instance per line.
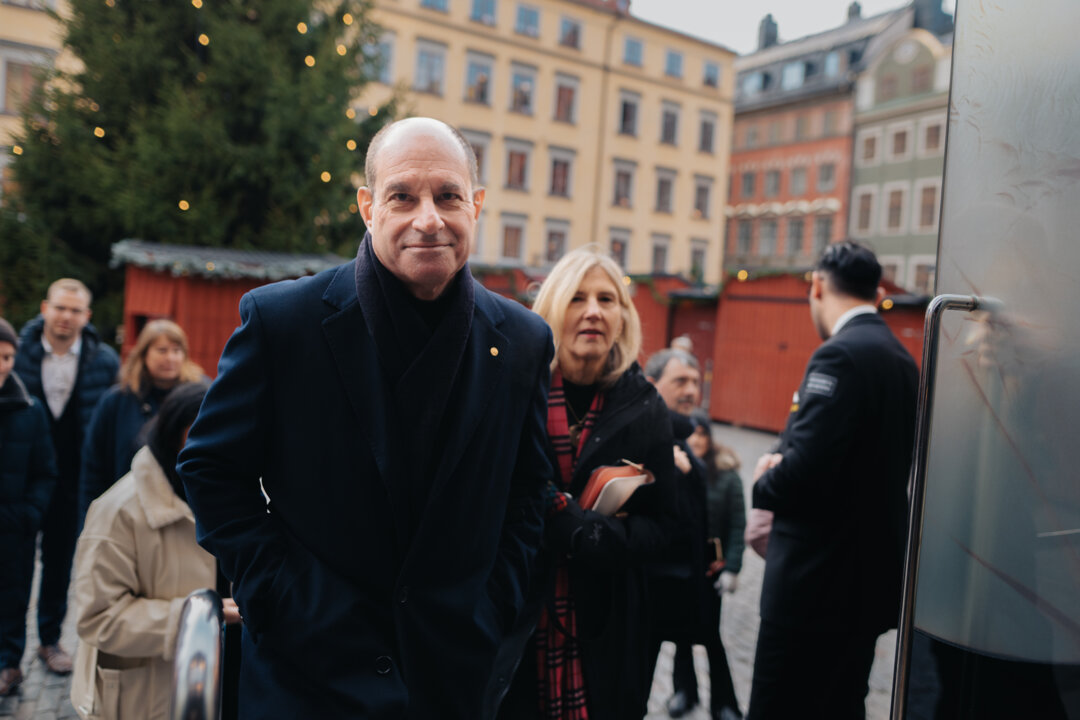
column 590, row 125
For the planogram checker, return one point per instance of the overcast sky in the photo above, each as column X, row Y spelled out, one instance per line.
column 734, row 23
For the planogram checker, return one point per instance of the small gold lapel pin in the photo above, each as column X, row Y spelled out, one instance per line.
column 494, row 351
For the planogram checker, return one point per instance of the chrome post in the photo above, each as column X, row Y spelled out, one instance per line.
column 197, row 666
column 932, row 327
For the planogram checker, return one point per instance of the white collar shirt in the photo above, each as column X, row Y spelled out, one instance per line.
column 853, row 312
column 58, row 374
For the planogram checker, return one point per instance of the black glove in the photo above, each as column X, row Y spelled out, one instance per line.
column 563, row 531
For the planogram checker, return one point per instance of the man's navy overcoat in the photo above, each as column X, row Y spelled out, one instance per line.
column 347, row 612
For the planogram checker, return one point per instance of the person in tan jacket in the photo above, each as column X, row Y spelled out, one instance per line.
column 136, row 561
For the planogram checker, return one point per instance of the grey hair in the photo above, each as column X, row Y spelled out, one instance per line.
column 658, row 361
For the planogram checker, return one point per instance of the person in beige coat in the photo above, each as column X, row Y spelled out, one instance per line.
column 136, row 561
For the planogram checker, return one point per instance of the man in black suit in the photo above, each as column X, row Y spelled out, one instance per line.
column 838, row 489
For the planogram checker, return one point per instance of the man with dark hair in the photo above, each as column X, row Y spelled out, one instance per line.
column 838, row 489
column 66, row 366
column 393, row 411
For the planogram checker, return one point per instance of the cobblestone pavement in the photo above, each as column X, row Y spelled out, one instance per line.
column 739, row 616
column 47, row 697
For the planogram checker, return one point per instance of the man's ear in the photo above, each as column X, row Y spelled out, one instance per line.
column 817, row 284
column 478, row 202
column 365, row 200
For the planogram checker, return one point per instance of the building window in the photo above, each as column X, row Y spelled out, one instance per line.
column 381, row 55
column 747, row 190
column 441, row 5
column 566, row 88
column 480, row 142
column 570, row 33
column 478, row 78
column 774, row 132
column 633, row 50
column 822, row 233
column 802, row 127
column 660, row 245
column 887, row 88
column 798, row 181
column 922, row 272
column 927, row 193
column 712, row 75
column 665, row 188
column 830, row 122
column 792, row 75
column 620, row 244
column 751, row 84
column 562, row 170
column 931, row 136
column 628, row 112
column 772, row 183
column 898, row 143
column 513, row 237
column 795, row 228
column 750, row 137
column 483, row 11
column 673, row 64
column 624, row 184
column 528, row 21
column 826, row 177
column 892, row 268
column 702, row 191
column 868, row 147
column 920, row 79
column 699, row 249
column 556, row 233
column 518, row 154
column 767, row 238
column 864, row 211
column 522, row 87
column 832, row 64
column 669, row 124
column 894, row 198
column 707, row 133
column 744, row 235
column 430, row 64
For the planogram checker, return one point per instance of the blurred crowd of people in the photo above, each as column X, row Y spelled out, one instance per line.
column 421, row 500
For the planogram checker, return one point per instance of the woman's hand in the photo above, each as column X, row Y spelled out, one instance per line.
column 232, row 612
column 682, row 461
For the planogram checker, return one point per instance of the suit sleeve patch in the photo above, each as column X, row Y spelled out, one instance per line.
column 820, row 384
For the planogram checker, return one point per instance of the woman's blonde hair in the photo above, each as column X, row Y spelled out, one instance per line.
column 133, row 374
column 558, row 290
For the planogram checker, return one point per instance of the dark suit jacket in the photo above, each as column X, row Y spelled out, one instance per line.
column 345, row 613
column 836, row 550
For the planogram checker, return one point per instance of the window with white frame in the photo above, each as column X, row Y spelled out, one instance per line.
column 744, row 237
column 931, row 136
column 481, row 145
column 699, row 250
column 826, row 177
column 792, row 75
column 633, row 51
column 619, row 246
column 899, row 142
column 747, row 183
column 624, row 183
column 922, row 271
column 862, row 210
column 768, row 230
column 518, row 163
column 927, row 195
column 702, row 193
column 711, row 74
column 556, row 239
column 483, row 11
column 512, row 247
column 892, row 268
column 673, row 61
column 660, row 245
column 430, row 67
column 796, row 227
column 522, row 88
column 528, row 20
column 832, row 64
column 752, row 83
column 669, row 123
column 570, row 33
column 562, row 172
column 381, row 56
column 441, row 5
column 868, row 147
column 707, row 132
column 18, row 77
column 566, row 93
column 823, row 229
column 772, row 183
column 628, row 112
column 665, row 189
column 894, row 210
column 478, row 77
column 798, row 181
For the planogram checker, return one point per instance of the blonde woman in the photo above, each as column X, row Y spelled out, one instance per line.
column 158, row 363
column 589, row 656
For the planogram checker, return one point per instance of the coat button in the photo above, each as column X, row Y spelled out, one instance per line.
column 383, row 664
column 403, row 596
column 494, row 352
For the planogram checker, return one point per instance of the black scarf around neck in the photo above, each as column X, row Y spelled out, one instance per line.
column 420, row 362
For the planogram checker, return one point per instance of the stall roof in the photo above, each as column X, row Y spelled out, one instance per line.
column 224, row 263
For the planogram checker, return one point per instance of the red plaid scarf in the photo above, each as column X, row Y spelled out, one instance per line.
column 561, row 681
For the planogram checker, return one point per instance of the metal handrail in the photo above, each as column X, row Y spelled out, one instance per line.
column 934, row 313
column 197, row 667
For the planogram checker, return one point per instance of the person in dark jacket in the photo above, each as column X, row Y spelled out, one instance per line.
column 837, row 489
column 157, row 363
column 64, row 364
column 27, row 478
column 589, row 653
